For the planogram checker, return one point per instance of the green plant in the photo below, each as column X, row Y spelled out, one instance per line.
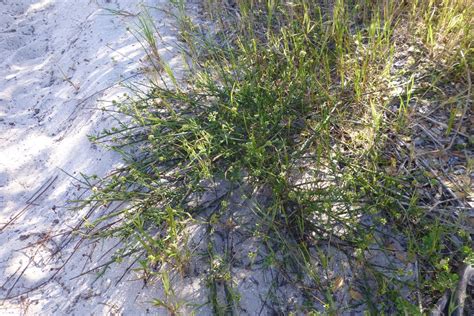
column 292, row 102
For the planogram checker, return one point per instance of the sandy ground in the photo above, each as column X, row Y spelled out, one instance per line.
column 60, row 60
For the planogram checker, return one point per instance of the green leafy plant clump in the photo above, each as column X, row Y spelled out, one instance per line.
column 296, row 100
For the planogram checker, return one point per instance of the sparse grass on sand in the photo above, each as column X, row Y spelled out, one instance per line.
column 323, row 107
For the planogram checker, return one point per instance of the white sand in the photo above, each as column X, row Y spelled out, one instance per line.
column 59, row 61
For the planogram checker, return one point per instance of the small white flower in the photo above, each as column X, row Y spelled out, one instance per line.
column 212, row 116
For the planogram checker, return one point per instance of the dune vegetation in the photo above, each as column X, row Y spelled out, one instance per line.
column 343, row 126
